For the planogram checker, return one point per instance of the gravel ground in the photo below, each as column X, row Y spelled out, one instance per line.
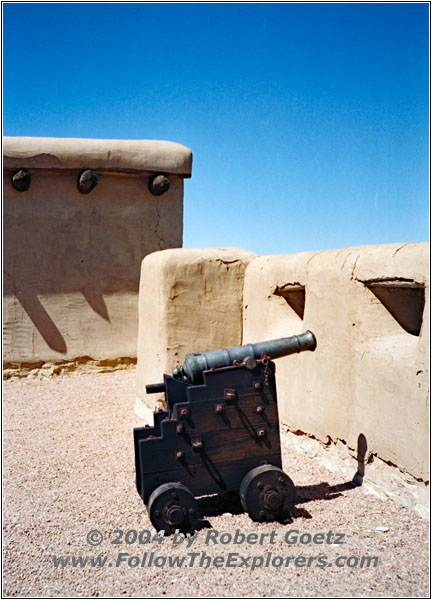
column 69, row 469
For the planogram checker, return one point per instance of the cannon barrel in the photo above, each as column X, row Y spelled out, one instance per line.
column 195, row 364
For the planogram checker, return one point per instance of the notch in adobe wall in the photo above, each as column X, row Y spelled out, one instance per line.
column 294, row 295
column 403, row 298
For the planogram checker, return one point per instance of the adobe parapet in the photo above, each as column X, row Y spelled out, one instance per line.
column 108, row 156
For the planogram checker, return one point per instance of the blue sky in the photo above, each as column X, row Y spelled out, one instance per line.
column 308, row 122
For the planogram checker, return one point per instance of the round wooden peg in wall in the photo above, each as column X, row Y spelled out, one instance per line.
column 21, row 180
column 87, row 181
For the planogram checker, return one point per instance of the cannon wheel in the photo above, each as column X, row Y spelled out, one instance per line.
column 172, row 506
column 267, row 494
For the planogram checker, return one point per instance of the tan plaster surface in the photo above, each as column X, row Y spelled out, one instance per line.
column 368, row 376
column 116, row 155
column 190, row 301
column 72, row 260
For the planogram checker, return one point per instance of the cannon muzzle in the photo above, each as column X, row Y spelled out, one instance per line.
column 195, row 364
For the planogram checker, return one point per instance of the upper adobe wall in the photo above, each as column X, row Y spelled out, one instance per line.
column 72, row 259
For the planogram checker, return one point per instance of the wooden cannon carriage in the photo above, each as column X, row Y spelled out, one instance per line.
column 219, row 433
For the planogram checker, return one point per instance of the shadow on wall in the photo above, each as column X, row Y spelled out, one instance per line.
column 361, row 459
column 324, row 491
column 230, row 501
column 403, row 298
column 294, row 295
column 42, row 321
column 53, row 246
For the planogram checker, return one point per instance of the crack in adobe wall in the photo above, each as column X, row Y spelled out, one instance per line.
column 354, row 267
column 242, row 310
column 368, row 459
column 156, row 229
column 345, row 259
column 228, row 262
column 314, row 255
column 400, row 248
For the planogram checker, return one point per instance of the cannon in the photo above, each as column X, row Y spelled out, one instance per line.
column 218, row 433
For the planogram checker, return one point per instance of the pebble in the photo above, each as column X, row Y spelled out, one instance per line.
column 69, row 468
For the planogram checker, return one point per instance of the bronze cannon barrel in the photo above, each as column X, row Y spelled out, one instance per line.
column 195, row 364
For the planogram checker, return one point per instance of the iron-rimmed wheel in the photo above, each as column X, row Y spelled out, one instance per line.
column 267, row 494
column 172, row 506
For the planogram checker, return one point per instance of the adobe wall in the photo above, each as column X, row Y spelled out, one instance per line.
column 360, row 402
column 365, row 388
column 190, row 301
column 72, row 258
